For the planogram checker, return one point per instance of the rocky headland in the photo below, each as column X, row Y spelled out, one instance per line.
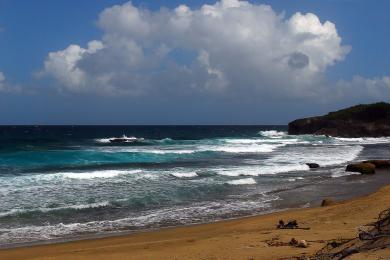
column 369, row 120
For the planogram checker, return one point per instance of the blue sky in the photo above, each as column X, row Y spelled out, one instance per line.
column 32, row 29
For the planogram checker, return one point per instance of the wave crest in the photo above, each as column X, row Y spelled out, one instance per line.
column 15, row 212
column 97, row 174
column 273, row 133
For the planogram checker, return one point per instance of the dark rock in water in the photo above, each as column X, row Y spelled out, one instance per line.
column 371, row 120
column 380, row 164
column 363, row 168
column 327, row 202
column 313, row 165
column 118, row 140
column 125, row 139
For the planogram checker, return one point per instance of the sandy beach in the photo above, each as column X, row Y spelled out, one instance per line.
column 246, row 238
column 209, row 129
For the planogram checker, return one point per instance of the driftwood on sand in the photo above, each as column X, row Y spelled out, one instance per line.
column 372, row 236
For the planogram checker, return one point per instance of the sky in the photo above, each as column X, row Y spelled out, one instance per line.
column 189, row 62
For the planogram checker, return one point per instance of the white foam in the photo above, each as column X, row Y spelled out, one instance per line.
column 363, row 140
column 146, row 150
column 295, row 179
column 336, row 173
column 198, row 212
column 34, row 181
column 252, row 148
column 262, row 141
column 273, row 134
column 226, row 148
column 97, row 174
column 189, row 174
column 246, row 181
column 239, row 171
column 77, row 207
column 323, row 155
column 274, row 169
column 257, row 170
column 103, row 140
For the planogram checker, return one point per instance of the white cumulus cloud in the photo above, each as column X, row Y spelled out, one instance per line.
column 62, row 65
column 229, row 47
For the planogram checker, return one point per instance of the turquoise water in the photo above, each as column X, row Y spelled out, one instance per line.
column 58, row 182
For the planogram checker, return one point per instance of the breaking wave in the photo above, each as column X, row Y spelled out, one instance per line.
column 246, row 181
column 97, row 174
column 184, row 174
column 14, row 212
column 260, row 170
column 273, row 134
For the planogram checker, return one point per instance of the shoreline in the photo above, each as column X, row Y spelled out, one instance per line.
column 350, row 184
column 214, row 239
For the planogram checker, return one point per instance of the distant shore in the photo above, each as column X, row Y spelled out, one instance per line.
column 245, row 238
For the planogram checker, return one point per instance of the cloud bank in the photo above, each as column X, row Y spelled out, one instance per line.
column 228, row 48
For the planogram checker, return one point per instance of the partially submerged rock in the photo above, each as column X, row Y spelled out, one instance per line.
column 379, row 164
column 363, row 168
column 327, row 202
column 313, row 165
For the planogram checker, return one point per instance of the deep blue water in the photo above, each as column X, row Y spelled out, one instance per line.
column 62, row 181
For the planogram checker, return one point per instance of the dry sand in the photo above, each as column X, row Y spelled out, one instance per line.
column 245, row 238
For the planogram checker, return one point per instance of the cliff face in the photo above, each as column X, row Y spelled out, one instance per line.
column 371, row 120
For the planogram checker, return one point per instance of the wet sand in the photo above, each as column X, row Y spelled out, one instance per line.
column 246, row 238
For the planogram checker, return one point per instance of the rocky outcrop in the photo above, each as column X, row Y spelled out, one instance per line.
column 313, row 165
column 380, row 164
column 368, row 167
column 363, row 168
column 371, row 120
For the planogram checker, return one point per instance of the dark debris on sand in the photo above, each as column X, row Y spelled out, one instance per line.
column 371, row 237
column 292, row 224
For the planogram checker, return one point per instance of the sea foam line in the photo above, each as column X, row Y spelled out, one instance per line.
column 199, row 212
column 184, row 174
column 227, row 148
column 97, row 174
column 261, row 170
column 13, row 212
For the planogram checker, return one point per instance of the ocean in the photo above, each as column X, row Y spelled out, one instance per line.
column 67, row 182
